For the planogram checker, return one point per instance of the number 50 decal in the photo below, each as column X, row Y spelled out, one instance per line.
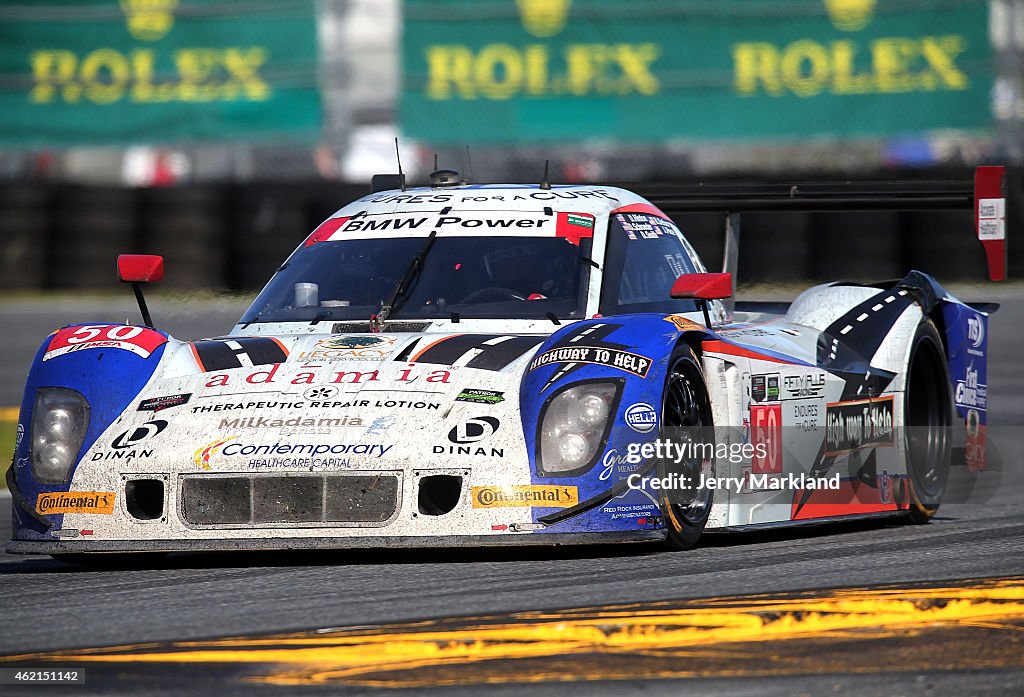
column 766, row 437
column 138, row 340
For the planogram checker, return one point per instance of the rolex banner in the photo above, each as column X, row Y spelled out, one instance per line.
column 506, row 72
column 152, row 71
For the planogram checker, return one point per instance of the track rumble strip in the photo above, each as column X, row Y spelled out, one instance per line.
column 963, row 625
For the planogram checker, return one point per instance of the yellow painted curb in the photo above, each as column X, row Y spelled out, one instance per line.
column 9, row 414
column 461, row 651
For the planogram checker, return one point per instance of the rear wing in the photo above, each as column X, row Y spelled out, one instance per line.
column 986, row 195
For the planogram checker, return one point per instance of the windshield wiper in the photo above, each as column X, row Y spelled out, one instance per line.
column 377, row 321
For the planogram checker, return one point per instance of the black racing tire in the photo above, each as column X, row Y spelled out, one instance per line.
column 112, row 560
column 928, row 416
column 686, row 417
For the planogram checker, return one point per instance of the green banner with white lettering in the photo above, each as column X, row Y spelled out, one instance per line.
column 516, row 72
column 157, row 71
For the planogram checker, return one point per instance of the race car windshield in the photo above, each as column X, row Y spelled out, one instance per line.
column 476, row 277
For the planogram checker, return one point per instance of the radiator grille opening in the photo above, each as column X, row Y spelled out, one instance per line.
column 287, row 499
column 364, row 499
column 303, row 500
column 219, row 501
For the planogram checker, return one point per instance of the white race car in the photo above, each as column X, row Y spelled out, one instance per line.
column 496, row 365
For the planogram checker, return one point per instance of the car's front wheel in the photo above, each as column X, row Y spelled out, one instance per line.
column 687, row 426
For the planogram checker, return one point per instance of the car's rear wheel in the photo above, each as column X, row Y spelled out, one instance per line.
column 686, row 421
column 928, row 412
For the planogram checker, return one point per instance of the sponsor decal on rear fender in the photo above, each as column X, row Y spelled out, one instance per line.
column 858, row 424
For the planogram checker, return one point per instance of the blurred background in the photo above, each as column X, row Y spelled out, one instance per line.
column 219, row 133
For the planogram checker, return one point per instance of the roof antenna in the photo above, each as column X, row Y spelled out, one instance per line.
column 469, row 165
column 435, row 161
column 387, row 182
column 545, row 184
column 398, row 156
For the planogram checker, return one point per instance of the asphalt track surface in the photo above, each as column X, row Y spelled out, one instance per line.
column 49, row 606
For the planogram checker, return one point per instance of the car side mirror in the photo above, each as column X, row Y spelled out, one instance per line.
column 138, row 269
column 702, row 287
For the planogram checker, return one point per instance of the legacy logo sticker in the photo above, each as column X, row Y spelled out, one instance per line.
column 97, row 502
column 355, row 342
column 525, row 495
column 368, row 348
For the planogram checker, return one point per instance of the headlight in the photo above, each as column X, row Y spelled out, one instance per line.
column 60, row 419
column 574, row 425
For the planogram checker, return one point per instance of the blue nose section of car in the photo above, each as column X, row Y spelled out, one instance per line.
column 108, row 365
column 631, row 352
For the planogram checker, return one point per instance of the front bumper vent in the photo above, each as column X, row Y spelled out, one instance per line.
column 357, row 499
